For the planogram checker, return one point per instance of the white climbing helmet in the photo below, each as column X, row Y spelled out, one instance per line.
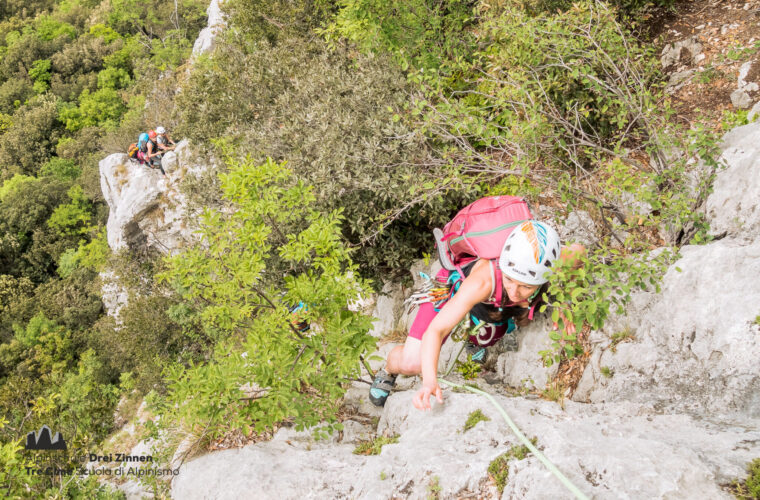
column 529, row 252
column 160, row 130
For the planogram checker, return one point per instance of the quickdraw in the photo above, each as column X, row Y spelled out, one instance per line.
column 434, row 291
column 437, row 292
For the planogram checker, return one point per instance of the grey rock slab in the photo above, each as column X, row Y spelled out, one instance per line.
column 357, row 397
column 733, row 205
column 115, row 296
column 524, row 368
column 388, row 309
column 672, row 53
column 303, row 439
column 579, row 227
column 131, row 191
column 695, row 347
column 743, row 72
column 754, row 112
column 146, row 208
column 355, row 432
column 269, row 470
column 741, row 99
column 607, row 451
column 216, row 24
column 678, row 79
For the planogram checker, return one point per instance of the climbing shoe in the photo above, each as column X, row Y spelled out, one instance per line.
column 476, row 353
column 381, row 387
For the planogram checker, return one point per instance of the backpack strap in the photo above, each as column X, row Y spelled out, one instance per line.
column 497, row 286
column 532, row 309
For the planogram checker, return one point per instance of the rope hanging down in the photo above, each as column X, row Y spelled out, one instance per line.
column 552, row 468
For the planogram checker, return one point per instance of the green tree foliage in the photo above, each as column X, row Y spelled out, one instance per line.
column 103, row 107
column 168, row 29
column 113, row 78
column 23, row 49
column 42, row 349
column 562, row 99
column 27, row 245
column 419, row 33
column 72, row 218
column 30, row 140
column 50, row 28
column 25, row 8
column 40, row 74
column 92, row 256
column 12, row 185
column 60, row 168
column 15, row 293
column 156, row 18
column 84, row 55
column 276, row 20
column 86, row 402
column 62, row 64
column 344, row 140
column 263, row 369
column 13, row 93
column 15, row 481
column 73, row 302
column 147, row 338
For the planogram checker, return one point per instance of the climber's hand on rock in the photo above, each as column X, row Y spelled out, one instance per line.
column 569, row 326
column 421, row 400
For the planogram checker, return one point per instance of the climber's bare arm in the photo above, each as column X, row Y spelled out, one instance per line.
column 474, row 289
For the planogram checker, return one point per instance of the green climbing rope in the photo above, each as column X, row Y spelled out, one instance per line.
column 552, row 468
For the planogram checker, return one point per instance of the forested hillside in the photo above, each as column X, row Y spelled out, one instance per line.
column 336, row 136
column 76, row 80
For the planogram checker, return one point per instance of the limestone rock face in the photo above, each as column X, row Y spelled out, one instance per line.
column 734, row 205
column 606, row 451
column 146, row 208
column 741, row 99
column 114, row 296
column 694, row 347
column 682, row 52
column 524, row 368
column 216, row 24
column 579, row 227
column 754, row 112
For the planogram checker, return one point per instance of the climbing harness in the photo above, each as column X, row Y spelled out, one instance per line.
column 552, row 468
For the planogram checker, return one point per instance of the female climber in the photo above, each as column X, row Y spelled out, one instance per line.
column 522, row 269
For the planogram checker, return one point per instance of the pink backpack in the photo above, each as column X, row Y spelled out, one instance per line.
column 479, row 230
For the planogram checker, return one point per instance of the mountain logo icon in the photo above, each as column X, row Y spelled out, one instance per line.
column 41, row 440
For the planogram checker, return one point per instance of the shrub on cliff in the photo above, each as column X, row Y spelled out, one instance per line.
column 327, row 113
column 263, row 368
column 30, row 140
